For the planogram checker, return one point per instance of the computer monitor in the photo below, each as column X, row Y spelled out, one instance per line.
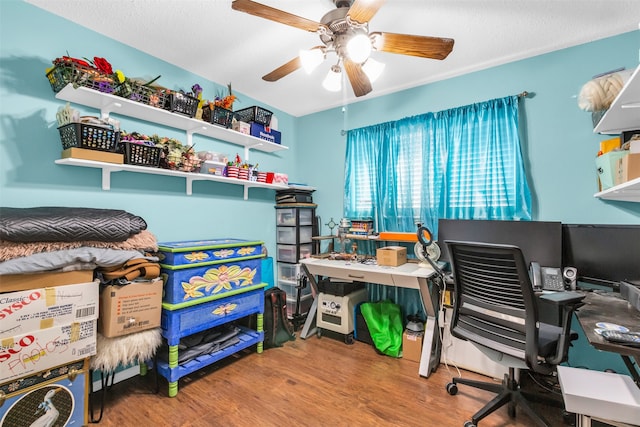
column 602, row 253
column 540, row 241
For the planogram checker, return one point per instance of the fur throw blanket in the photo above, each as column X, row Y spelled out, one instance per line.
column 144, row 241
column 126, row 350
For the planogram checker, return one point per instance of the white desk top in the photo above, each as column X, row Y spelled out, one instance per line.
column 408, row 269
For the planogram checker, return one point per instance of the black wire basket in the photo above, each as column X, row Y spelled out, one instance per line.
column 141, row 154
column 82, row 135
column 254, row 114
column 217, row 116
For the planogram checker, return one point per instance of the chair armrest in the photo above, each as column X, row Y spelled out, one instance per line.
column 564, row 298
column 568, row 301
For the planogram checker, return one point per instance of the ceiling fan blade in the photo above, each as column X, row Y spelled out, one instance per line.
column 283, row 70
column 363, row 10
column 273, row 14
column 359, row 80
column 405, row 44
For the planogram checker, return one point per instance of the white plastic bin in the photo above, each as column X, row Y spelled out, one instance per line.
column 287, row 216
column 287, row 235
column 287, row 253
column 288, row 272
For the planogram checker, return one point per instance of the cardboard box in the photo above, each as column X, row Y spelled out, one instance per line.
column 130, row 308
column 242, row 127
column 412, row 345
column 629, row 168
column 26, row 354
column 23, row 282
column 95, row 155
column 68, row 390
column 34, row 309
column 392, row 256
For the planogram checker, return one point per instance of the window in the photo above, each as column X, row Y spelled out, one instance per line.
column 459, row 163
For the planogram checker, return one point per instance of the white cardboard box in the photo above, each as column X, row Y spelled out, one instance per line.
column 34, row 309
column 604, row 395
column 35, row 351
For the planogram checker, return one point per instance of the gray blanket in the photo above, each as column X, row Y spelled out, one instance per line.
column 67, row 224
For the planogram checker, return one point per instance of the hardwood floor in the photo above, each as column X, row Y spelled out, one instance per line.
column 313, row 382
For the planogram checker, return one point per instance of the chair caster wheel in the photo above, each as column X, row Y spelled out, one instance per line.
column 469, row 424
column 452, row 389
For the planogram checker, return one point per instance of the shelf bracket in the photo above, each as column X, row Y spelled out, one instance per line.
column 108, row 109
column 106, row 179
column 246, row 192
column 189, row 185
column 190, row 137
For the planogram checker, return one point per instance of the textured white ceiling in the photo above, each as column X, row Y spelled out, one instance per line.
column 224, row 45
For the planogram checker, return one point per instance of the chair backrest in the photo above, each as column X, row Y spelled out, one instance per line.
column 494, row 302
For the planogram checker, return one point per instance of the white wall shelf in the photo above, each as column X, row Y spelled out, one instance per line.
column 190, row 177
column 628, row 192
column 624, row 113
column 108, row 104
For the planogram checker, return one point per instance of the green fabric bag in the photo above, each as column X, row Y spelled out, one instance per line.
column 384, row 322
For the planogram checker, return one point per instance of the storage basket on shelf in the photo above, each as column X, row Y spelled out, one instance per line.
column 141, row 154
column 181, row 103
column 141, row 93
column 243, row 173
column 217, row 115
column 182, row 162
column 78, row 74
column 93, row 137
column 231, row 171
column 254, row 114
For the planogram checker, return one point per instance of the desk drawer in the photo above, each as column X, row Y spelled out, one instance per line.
column 357, row 275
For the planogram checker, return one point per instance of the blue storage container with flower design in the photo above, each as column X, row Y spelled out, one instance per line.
column 196, row 271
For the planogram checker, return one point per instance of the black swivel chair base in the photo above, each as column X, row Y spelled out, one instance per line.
column 507, row 393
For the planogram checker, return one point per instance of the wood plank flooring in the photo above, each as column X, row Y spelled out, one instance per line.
column 313, row 382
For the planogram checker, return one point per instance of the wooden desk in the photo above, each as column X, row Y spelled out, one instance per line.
column 410, row 275
column 609, row 307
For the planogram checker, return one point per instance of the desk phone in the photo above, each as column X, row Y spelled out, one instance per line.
column 546, row 278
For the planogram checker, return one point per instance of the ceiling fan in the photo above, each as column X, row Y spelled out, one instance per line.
column 345, row 31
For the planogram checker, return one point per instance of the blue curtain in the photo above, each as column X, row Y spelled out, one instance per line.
column 462, row 163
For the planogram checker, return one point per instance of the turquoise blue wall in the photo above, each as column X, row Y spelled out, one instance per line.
column 559, row 145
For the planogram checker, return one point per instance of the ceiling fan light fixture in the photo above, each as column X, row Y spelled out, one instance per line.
column 359, row 48
column 311, row 58
column 333, row 81
column 373, row 69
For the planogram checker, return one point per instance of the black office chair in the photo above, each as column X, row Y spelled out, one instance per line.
column 495, row 308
